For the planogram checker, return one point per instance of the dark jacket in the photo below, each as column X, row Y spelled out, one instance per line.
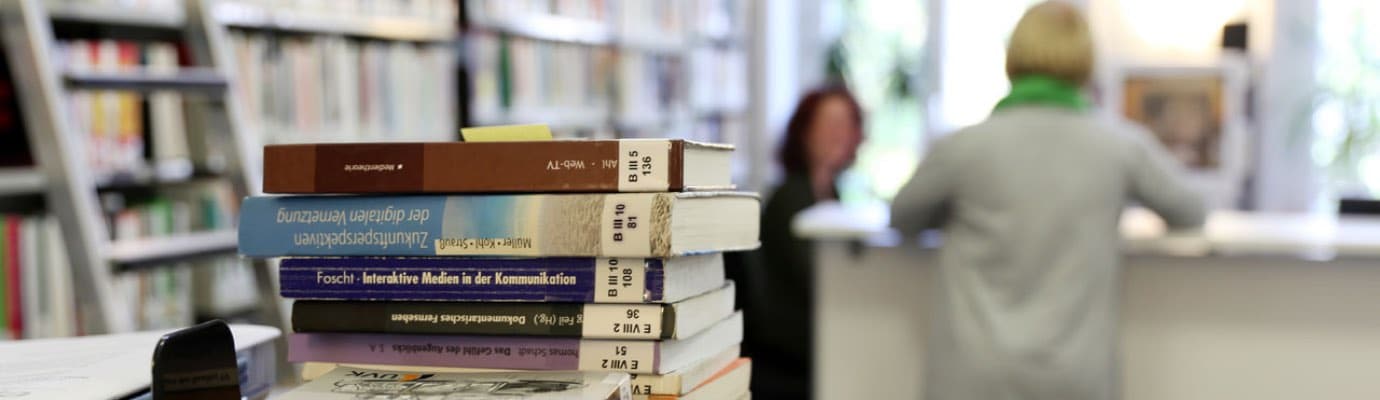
column 775, row 287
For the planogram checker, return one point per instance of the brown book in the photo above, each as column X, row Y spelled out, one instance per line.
column 629, row 165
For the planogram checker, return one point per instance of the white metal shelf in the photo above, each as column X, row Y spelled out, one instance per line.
column 551, row 28
column 21, row 181
column 646, row 43
column 154, row 250
column 173, row 18
column 556, row 117
column 167, row 172
column 653, row 118
column 185, row 79
column 378, row 27
column 728, row 40
column 720, row 110
column 561, row 29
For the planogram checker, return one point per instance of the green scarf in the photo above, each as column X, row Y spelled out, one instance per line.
column 1043, row 90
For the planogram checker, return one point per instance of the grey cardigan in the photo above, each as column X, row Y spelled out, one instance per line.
column 1027, row 290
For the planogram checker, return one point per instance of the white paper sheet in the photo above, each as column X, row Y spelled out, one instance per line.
column 92, row 367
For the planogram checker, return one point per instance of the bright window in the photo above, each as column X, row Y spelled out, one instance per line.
column 879, row 55
column 972, row 63
column 1346, row 113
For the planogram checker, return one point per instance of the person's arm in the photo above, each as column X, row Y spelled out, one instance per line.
column 1157, row 182
column 924, row 201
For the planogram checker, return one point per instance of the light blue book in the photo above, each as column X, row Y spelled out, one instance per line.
column 528, row 225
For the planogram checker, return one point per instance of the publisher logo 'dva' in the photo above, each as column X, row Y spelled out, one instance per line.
column 391, row 377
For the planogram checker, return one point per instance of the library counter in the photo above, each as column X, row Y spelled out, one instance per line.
column 1261, row 306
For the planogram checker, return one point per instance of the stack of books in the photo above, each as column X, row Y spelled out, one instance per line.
column 601, row 256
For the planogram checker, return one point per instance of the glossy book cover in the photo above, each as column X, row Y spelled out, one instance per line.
column 354, row 383
column 546, row 225
column 579, row 280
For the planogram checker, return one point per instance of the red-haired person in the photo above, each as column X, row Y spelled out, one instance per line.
column 776, row 294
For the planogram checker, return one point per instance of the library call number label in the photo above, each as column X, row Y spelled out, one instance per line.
column 620, row 280
column 644, row 165
column 633, row 321
column 634, row 357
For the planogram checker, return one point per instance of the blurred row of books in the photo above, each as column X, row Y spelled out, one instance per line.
column 128, row 132
column 329, row 88
column 610, row 69
column 37, row 292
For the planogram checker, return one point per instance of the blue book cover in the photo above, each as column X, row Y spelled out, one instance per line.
column 528, row 225
column 574, row 280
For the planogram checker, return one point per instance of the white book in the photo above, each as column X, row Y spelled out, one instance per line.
column 61, row 296
column 168, row 126
column 30, row 288
column 674, row 383
column 349, row 89
column 729, row 383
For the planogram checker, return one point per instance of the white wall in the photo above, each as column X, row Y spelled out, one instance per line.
column 776, row 76
column 1289, row 180
column 1159, row 33
column 791, row 39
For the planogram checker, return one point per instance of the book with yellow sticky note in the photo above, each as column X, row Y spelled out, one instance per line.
column 514, row 159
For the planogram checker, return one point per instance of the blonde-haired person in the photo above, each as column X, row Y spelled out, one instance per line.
column 1027, row 288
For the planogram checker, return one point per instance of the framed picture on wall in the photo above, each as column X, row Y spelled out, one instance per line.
column 1184, row 108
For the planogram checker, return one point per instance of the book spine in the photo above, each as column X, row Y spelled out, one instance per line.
column 31, row 272
column 580, row 280
column 554, row 166
column 496, row 352
column 598, row 321
column 4, row 281
column 576, row 225
column 14, row 281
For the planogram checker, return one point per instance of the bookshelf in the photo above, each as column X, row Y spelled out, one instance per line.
column 609, row 69
column 161, row 213
column 63, row 100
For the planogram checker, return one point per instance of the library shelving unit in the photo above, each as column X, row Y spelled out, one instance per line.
column 609, row 69
column 62, row 171
column 222, row 135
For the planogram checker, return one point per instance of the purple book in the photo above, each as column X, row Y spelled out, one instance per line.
column 577, row 280
column 519, row 353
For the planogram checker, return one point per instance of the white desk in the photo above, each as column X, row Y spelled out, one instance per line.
column 1251, row 307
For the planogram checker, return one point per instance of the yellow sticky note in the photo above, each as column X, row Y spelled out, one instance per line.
column 506, row 133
